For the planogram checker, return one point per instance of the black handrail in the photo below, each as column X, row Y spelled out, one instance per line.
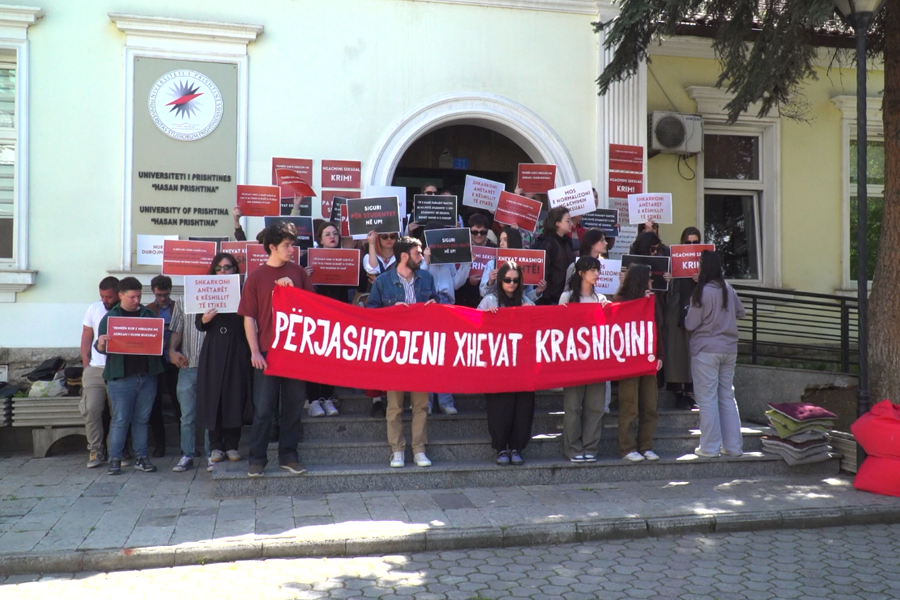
column 798, row 329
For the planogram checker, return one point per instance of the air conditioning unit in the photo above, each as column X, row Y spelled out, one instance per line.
column 675, row 133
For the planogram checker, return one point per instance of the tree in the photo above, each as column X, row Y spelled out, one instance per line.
column 786, row 36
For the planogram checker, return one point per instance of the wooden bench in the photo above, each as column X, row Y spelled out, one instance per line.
column 53, row 419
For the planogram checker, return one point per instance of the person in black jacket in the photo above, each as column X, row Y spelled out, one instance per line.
column 555, row 241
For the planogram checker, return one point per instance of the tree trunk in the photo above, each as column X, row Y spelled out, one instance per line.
column 884, row 308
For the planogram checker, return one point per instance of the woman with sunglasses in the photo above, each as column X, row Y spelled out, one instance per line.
column 224, row 374
column 557, row 244
column 678, row 367
column 379, row 253
column 510, row 237
column 510, row 415
column 583, row 404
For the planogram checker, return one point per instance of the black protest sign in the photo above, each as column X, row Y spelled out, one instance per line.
column 449, row 246
column 336, row 203
column 439, row 210
column 659, row 266
column 303, row 227
column 381, row 215
column 305, row 206
column 604, row 219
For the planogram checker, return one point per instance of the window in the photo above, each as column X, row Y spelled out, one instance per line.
column 7, row 154
column 874, row 205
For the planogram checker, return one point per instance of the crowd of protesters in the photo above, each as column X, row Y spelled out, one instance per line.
column 213, row 366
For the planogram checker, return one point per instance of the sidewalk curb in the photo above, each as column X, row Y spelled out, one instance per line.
column 444, row 539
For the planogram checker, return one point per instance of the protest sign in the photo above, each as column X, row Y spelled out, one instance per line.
column 449, row 246
column 293, row 184
column 345, row 174
column 649, row 207
column 620, row 205
column 659, row 266
column 481, row 256
column 239, row 251
column 334, row 266
column 303, row 227
column 623, row 184
column 329, row 212
column 536, row 179
column 604, row 219
column 438, row 348
column 608, row 282
column 621, row 242
column 686, row 258
column 386, row 191
column 185, row 257
column 626, row 158
column 150, row 249
column 302, row 166
column 259, row 200
column 217, row 239
column 530, row 261
column 439, row 210
column 518, row 210
column 578, row 198
column 207, row 292
column 256, row 256
column 482, row 193
column 345, row 220
column 373, row 214
column 135, row 335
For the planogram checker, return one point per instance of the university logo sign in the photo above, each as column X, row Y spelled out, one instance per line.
column 185, row 105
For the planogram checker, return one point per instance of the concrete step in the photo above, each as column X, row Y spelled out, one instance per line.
column 230, row 479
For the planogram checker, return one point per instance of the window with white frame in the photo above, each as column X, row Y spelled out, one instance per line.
column 7, row 154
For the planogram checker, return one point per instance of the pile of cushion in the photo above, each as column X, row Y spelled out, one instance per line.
column 878, row 432
column 802, row 432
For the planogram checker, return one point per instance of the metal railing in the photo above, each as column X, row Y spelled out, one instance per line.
column 798, row 329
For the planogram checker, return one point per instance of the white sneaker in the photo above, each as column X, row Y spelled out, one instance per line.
column 397, row 459
column 699, row 452
column 315, row 408
column 651, row 455
column 421, row 460
column 216, row 456
column 209, row 466
column 329, row 407
column 233, row 455
column 633, row 457
column 450, row 410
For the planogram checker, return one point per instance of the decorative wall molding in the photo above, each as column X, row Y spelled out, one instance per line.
column 14, row 282
column 580, row 7
column 212, row 36
column 711, row 101
column 15, row 20
column 847, row 106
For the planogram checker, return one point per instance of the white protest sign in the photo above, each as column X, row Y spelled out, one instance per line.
column 482, row 193
column 626, row 237
column 621, row 205
column 386, row 191
column 608, row 282
column 649, row 207
column 578, row 198
column 205, row 292
column 150, row 248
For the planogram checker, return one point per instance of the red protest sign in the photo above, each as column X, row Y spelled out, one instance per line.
column 481, row 256
column 622, row 184
column 258, row 200
column 536, row 179
column 135, row 335
column 530, row 261
column 626, row 158
column 302, row 166
column 328, row 197
column 239, row 251
column 345, row 220
column 293, row 184
column 256, row 256
column 334, row 266
column 518, row 210
column 185, row 257
column 686, row 258
column 345, row 174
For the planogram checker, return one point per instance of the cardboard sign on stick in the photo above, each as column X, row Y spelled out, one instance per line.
column 303, row 226
column 481, row 256
column 334, row 266
column 207, row 292
column 686, row 258
column 439, row 210
column 258, row 200
column 578, row 198
column 530, row 261
column 449, row 246
column 536, row 179
column 150, row 248
column 659, row 266
column 518, row 210
column 184, row 257
column 482, row 193
column 373, row 214
column 239, row 251
column 649, row 207
column 135, row 335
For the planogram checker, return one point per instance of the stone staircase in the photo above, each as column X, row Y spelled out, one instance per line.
column 349, row 453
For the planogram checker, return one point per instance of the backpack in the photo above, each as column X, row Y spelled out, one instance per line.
column 47, row 370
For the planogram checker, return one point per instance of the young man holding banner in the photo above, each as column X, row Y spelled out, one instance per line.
column 404, row 285
column 256, row 307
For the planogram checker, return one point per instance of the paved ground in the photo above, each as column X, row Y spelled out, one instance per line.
column 834, row 563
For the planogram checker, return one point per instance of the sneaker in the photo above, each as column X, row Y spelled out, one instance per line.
column 330, row 409
column 143, row 464
column 127, row 459
column 115, row 467
column 590, row 458
column 421, row 460
column 294, row 467
column 378, row 410
column 216, row 456
column 450, row 410
column 96, row 460
column 578, row 458
column 315, row 408
column 186, row 462
column 397, row 459
column 651, row 455
column 516, row 459
column 255, row 470
column 727, row 453
column 233, row 455
column 699, row 452
column 209, row 466
column 633, row 457
column 503, row 458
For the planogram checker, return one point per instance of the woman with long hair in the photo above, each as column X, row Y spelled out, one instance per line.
column 712, row 320
column 510, row 415
column 583, row 404
column 510, row 237
column 677, row 369
column 593, row 243
column 637, row 395
column 555, row 241
column 224, row 374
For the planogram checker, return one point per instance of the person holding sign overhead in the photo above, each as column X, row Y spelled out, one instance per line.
column 678, row 366
column 555, row 241
column 510, row 237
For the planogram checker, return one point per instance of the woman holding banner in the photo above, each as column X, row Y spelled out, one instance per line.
column 510, row 237
column 556, row 243
column 637, row 395
column 678, row 366
column 510, row 415
column 583, row 404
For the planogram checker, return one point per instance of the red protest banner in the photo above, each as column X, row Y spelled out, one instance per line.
column 481, row 256
column 536, row 179
column 293, row 184
column 328, row 197
column 686, row 258
column 626, row 158
column 334, row 266
column 518, row 210
column 256, row 256
column 239, row 251
column 135, row 335
column 259, row 200
column 185, row 257
column 622, row 184
column 531, row 262
column 346, row 174
column 455, row 349
column 303, row 167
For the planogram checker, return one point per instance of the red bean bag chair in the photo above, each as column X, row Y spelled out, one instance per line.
column 878, row 432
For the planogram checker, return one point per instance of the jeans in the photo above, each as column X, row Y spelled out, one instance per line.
column 720, row 421
column 132, row 400
column 266, row 389
column 443, row 400
column 187, row 398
